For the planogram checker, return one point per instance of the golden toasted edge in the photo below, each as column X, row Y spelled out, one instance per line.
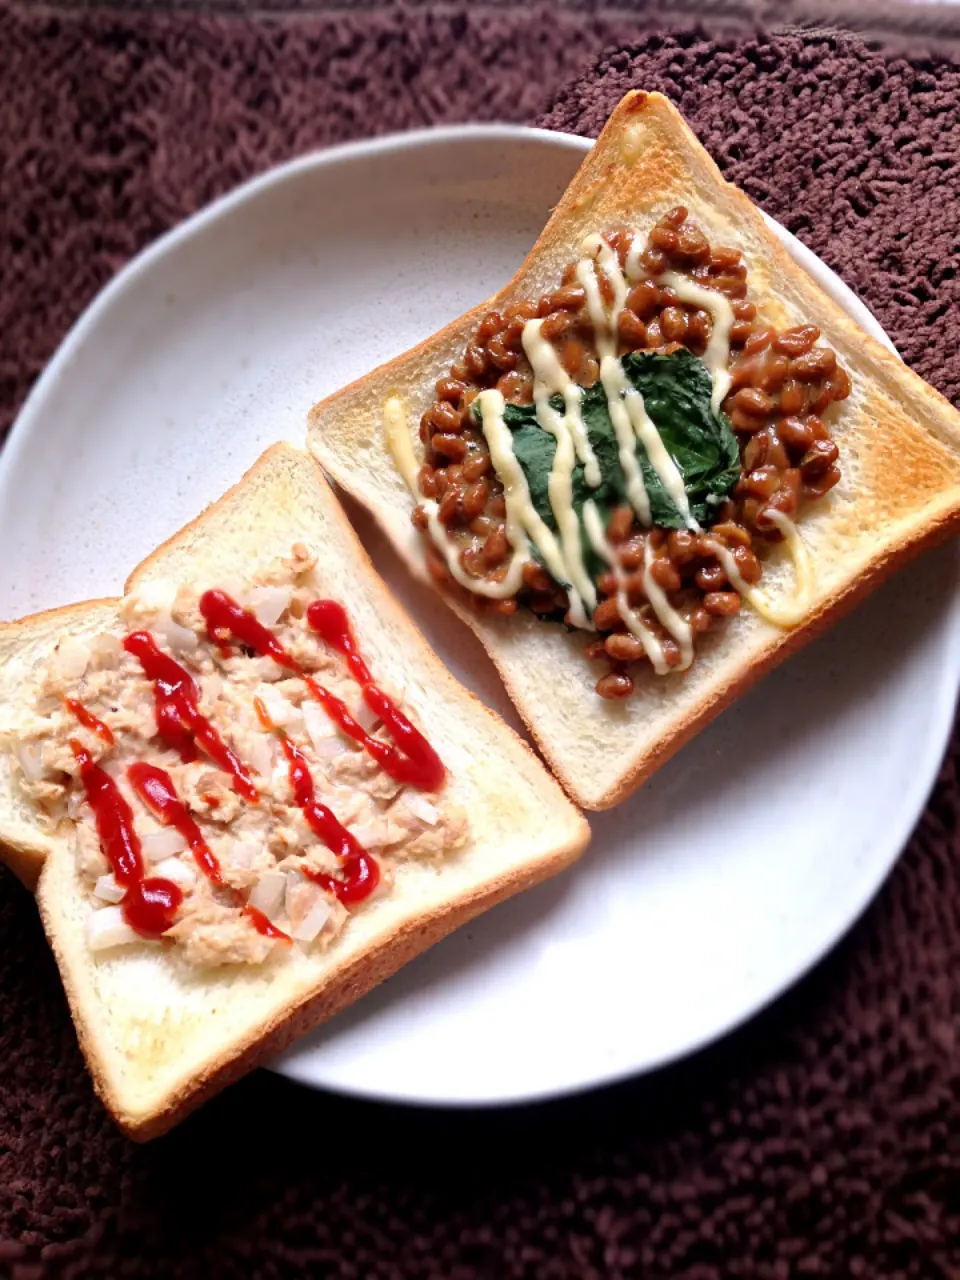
column 894, row 378
column 381, row 958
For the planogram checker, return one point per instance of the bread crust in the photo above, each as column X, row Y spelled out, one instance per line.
column 899, row 442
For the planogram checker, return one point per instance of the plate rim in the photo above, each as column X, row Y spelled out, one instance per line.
column 941, row 710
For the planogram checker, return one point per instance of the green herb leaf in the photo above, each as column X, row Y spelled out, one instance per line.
column 676, row 390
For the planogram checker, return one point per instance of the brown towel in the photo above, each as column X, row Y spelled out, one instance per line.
column 823, row 1139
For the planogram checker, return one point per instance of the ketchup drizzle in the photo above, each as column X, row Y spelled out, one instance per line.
column 264, row 925
column 179, row 722
column 90, row 721
column 155, row 788
column 411, row 759
column 150, row 904
column 361, row 872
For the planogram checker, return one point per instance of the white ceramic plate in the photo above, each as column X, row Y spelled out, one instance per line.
column 743, row 860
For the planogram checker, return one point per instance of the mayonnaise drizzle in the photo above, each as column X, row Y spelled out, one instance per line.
column 790, row 612
column 550, row 378
column 717, row 305
column 523, row 518
column 633, row 267
column 624, row 402
column 523, row 525
column 669, row 619
column 593, row 526
column 397, row 431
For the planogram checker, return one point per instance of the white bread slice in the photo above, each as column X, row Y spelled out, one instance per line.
column 159, row 1040
column 899, row 446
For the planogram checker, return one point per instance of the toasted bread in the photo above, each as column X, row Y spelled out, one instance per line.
column 899, row 446
column 159, row 1038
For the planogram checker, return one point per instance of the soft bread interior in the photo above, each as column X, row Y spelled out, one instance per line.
column 899, row 446
column 159, row 1038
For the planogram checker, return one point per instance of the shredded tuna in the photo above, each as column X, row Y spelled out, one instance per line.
column 248, row 840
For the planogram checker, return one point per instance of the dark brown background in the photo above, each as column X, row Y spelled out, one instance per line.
column 821, row 1140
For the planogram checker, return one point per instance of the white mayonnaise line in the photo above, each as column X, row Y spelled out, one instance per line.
column 593, row 526
column 670, row 620
column 550, row 378
column 636, row 489
column 522, row 516
column 624, row 402
column 397, row 431
column 596, row 248
column 622, row 392
column 790, row 612
column 632, row 267
column 717, row 305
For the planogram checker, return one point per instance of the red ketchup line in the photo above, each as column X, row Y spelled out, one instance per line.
column 361, row 872
column 155, row 788
column 149, row 905
column 179, row 722
column 411, row 759
column 90, row 721
column 263, row 925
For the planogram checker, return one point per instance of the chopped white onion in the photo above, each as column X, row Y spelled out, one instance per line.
column 313, row 921
column 421, row 808
column 267, row 669
column 108, row 889
column 181, row 872
column 106, row 647
column 180, row 639
column 154, row 597
column 280, row 711
column 267, row 893
column 30, row 757
column 106, row 928
column 308, row 908
column 163, row 843
column 73, row 656
column 321, row 731
column 269, row 604
column 374, row 835
column 260, row 754
column 365, row 717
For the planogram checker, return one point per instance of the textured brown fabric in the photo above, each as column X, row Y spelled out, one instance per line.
column 823, row 1139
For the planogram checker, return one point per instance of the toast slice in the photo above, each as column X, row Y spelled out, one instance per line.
column 899, row 444
column 158, row 1038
